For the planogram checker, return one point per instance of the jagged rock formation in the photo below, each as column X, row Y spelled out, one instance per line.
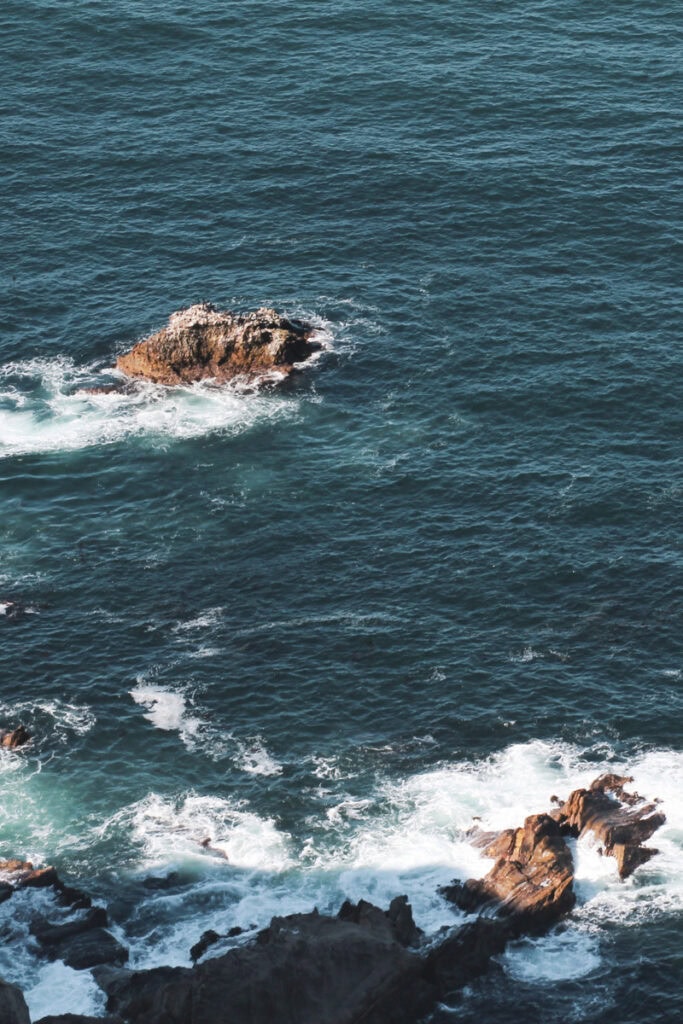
column 202, row 342
column 532, row 880
column 82, row 942
column 621, row 821
column 307, row 968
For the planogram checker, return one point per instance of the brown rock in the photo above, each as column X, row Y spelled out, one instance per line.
column 531, row 880
column 14, row 738
column 12, row 866
column 621, row 821
column 201, row 342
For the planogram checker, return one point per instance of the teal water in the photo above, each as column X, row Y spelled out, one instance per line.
column 438, row 575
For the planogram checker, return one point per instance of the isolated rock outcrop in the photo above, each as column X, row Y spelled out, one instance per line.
column 621, row 821
column 202, row 342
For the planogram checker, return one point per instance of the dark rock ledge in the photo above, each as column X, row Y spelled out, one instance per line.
column 366, row 965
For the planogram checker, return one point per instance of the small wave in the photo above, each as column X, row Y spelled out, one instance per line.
column 252, row 757
column 166, row 709
column 205, row 620
column 173, row 831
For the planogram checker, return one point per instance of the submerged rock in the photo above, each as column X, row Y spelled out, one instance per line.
column 202, row 342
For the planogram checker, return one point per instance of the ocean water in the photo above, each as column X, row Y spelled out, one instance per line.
column 438, row 574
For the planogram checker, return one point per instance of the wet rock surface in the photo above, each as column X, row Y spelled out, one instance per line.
column 13, row 1008
column 620, row 820
column 531, row 881
column 202, row 342
column 13, row 739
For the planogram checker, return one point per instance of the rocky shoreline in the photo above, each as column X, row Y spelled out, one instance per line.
column 363, row 966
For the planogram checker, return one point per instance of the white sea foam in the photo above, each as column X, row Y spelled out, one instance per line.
column 253, row 757
column 66, row 718
column 559, row 956
column 412, row 836
column 61, row 989
column 204, row 620
column 166, row 709
column 47, row 412
column 174, row 831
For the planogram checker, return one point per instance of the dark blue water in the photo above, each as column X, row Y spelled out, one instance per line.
column 439, row 573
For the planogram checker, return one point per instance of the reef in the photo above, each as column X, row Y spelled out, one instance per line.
column 202, row 342
column 364, row 965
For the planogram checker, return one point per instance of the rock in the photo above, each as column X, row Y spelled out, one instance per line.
column 621, row 821
column 68, row 896
column 466, row 953
column 39, row 878
column 49, row 934
column 531, row 881
column 201, row 342
column 207, row 939
column 24, row 876
column 13, row 865
column 90, row 949
column 307, row 968
column 397, row 922
column 14, row 738
column 13, row 1008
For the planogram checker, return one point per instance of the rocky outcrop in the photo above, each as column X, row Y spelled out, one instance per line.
column 307, row 968
column 81, row 943
column 621, row 821
column 366, row 965
column 12, row 739
column 531, row 881
column 202, row 342
column 13, row 1008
